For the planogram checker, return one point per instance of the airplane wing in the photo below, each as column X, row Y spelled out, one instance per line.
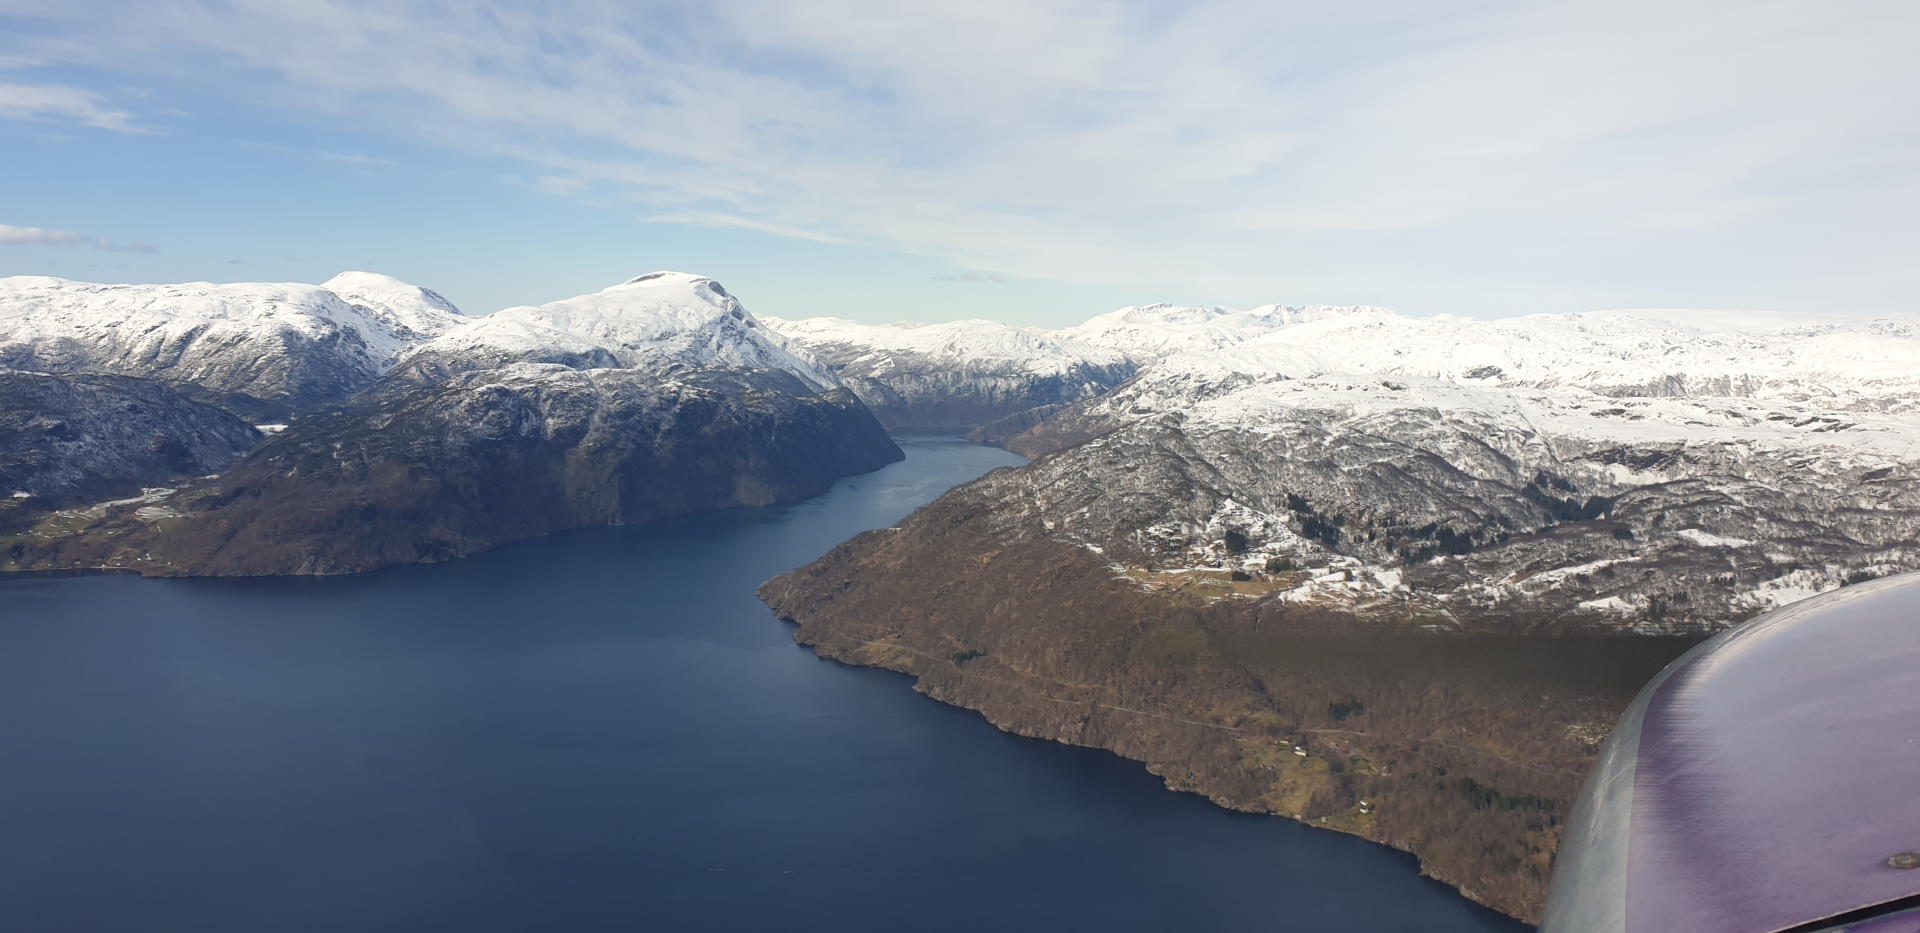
column 1766, row 781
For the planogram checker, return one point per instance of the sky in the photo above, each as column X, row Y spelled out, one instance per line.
column 1038, row 161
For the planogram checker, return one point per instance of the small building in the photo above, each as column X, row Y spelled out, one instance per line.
column 1300, row 750
column 1366, row 806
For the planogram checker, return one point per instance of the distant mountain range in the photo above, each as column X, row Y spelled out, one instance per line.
column 964, row 375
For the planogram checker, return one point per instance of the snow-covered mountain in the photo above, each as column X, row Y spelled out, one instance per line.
column 663, row 321
column 964, row 374
column 410, row 312
column 656, row 397
column 958, row 374
column 1842, row 366
column 1446, row 454
column 1148, row 333
column 265, row 349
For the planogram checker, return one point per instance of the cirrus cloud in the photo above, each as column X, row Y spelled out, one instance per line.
column 1483, row 155
column 63, row 104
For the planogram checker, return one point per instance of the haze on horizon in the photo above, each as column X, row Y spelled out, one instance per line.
column 1038, row 162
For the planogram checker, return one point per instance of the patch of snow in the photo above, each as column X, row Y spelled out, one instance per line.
column 1708, row 539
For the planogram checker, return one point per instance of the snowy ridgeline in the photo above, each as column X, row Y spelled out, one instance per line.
column 286, row 348
column 271, row 347
column 965, row 374
column 1662, row 470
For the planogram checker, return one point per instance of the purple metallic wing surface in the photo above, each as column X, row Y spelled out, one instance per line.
column 1766, row 781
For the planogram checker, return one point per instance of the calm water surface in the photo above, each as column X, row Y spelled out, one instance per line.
column 598, row 731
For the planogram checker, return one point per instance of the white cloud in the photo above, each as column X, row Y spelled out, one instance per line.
column 11, row 235
column 62, row 104
column 1501, row 155
column 40, row 236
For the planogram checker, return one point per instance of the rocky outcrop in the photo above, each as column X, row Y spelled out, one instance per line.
column 494, row 456
column 65, row 439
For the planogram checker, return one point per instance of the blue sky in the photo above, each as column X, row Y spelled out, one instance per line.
column 1039, row 161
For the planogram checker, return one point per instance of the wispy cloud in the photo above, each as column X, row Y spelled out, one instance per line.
column 1496, row 154
column 11, row 235
column 40, row 236
column 973, row 278
column 63, row 104
column 353, row 158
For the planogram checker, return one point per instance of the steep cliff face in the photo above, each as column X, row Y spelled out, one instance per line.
column 264, row 351
column 493, row 456
column 1403, row 603
column 89, row 437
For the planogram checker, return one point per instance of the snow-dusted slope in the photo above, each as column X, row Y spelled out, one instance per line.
column 665, row 321
column 1477, row 502
column 95, row 436
column 262, row 347
column 1712, row 465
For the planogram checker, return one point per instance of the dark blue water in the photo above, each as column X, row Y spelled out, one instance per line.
column 597, row 731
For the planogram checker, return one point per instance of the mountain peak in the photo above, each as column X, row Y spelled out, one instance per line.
column 661, row 320
column 385, row 291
